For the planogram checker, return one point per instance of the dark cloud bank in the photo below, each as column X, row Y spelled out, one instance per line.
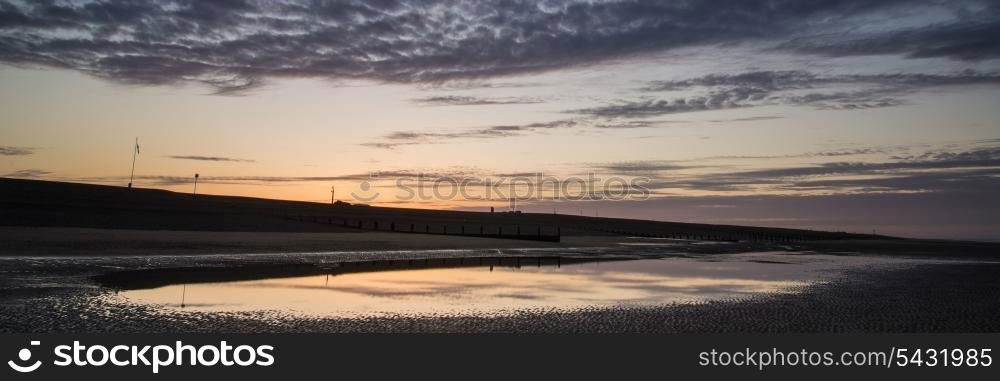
column 234, row 45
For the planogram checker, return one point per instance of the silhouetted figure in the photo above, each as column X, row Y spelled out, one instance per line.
column 491, row 209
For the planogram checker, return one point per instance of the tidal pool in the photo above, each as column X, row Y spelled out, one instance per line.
column 491, row 286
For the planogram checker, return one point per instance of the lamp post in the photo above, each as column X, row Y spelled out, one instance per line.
column 195, row 184
column 135, row 153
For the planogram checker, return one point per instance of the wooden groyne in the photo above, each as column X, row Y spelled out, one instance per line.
column 502, row 231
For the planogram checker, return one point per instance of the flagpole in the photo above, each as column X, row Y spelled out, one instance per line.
column 135, row 151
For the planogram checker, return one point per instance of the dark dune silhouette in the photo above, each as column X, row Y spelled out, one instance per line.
column 47, row 203
column 57, row 218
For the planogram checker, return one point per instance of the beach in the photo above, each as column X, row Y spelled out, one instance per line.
column 932, row 298
column 55, row 284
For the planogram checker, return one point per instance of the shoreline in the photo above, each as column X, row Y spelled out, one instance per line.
column 31, row 241
column 96, row 242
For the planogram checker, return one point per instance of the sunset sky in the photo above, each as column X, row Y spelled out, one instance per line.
column 830, row 114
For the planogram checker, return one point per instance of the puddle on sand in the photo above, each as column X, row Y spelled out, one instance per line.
column 494, row 287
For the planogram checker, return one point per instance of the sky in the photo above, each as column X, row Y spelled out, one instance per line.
column 843, row 115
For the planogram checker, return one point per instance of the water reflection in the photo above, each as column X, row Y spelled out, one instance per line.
column 483, row 286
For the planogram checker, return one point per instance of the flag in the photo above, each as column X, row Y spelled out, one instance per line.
column 137, row 146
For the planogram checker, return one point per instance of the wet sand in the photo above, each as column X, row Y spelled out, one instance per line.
column 926, row 298
column 61, row 293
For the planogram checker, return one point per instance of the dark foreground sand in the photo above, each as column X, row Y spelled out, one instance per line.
column 52, row 294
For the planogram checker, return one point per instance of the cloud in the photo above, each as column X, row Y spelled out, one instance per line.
column 658, row 107
column 796, row 88
column 232, row 46
column 767, row 81
column 603, row 121
column 520, row 174
column 475, row 84
column 747, row 119
column 390, row 145
column 629, row 124
column 29, row 173
column 641, row 166
column 209, row 158
column 224, row 179
column 402, row 138
column 454, row 100
column 849, row 152
column 969, row 40
column 16, row 151
column 751, row 82
column 932, row 171
column 847, row 100
column 724, row 91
